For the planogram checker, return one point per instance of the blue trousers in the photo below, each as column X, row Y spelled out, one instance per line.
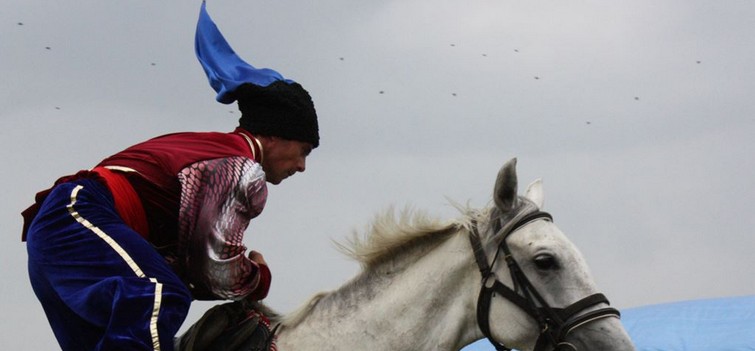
column 102, row 286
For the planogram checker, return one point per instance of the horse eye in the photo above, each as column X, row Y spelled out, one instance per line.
column 545, row 261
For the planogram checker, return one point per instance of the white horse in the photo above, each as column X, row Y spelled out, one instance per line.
column 421, row 287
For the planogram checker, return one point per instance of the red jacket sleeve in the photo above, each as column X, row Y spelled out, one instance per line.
column 218, row 199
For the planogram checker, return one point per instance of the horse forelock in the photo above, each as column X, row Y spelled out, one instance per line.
column 495, row 215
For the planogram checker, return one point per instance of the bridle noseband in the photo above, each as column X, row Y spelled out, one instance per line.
column 555, row 323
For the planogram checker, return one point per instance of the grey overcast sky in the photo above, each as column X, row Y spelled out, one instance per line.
column 638, row 115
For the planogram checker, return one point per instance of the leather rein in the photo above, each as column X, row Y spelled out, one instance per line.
column 555, row 323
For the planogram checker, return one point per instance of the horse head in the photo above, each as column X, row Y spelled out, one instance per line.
column 531, row 269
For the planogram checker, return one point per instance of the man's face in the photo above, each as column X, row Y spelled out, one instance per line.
column 283, row 158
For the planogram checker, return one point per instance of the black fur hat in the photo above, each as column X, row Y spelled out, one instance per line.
column 282, row 109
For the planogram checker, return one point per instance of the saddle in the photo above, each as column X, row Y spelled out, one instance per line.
column 232, row 326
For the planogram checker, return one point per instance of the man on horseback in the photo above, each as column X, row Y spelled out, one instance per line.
column 117, row 253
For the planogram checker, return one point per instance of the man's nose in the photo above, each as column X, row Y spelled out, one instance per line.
column 302, row 165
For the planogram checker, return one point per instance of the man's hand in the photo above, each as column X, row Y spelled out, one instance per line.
column 263, row 287
column 257, row 257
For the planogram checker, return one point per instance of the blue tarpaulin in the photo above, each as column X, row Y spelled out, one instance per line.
column 721, row 324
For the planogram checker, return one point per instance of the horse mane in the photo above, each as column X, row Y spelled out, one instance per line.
column 390, row 235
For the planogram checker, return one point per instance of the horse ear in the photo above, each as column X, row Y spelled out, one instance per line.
column 535, row 193
column 504, row 193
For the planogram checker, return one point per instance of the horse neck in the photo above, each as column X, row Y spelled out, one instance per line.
column 428, row 304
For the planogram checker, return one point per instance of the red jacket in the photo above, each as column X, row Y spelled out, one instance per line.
column 198, row 191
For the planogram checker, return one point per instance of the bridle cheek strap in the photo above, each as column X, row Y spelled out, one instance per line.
column 483, row 307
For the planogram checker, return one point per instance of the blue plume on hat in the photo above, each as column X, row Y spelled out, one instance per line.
column 225, row 70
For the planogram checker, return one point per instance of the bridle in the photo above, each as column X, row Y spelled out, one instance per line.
column 555, row 323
